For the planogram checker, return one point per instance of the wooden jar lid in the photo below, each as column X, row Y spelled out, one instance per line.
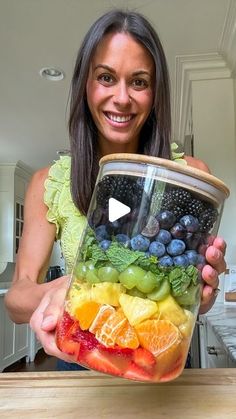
column 194, row 179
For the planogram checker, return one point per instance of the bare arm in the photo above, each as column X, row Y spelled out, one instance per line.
column 33, row 256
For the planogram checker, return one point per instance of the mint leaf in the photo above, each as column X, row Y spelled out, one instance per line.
column 121, row 257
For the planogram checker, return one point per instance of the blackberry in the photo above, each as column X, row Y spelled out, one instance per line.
column 123, row 188
column 105, row 190
column 207, row 219
column 195, row 207
column 180, row 196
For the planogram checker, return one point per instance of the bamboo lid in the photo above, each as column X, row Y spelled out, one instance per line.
column 168, row 165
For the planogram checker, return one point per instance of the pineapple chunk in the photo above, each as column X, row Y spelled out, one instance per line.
column 137, row 309
column 76, row 297
column 186, row 328
column 170, row 310
column 107, row 293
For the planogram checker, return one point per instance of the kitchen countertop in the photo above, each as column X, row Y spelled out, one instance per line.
column 196, row 394
column 222, row 319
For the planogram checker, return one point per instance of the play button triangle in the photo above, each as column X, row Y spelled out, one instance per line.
column 116, row 209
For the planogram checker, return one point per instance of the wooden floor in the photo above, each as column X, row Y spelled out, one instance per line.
column 42, row 362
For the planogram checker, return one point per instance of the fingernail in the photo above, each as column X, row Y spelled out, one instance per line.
column 47, row 321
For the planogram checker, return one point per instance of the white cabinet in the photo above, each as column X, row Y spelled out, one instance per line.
column 212, row 351
column 14, row 339
column 14, row 179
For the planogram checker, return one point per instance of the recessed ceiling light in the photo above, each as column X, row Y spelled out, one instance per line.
column 52, row 73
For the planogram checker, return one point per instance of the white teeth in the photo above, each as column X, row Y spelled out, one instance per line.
column 117, row 118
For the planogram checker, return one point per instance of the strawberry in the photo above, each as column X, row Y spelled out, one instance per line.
column 63, row 328
column 174, row 373
column 117, row 351
column 144, row 358
column 97, row 361
column 135, row 372
column 70, row 347
column 84, row 337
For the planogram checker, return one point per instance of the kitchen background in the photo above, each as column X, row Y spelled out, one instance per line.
column 199, row 38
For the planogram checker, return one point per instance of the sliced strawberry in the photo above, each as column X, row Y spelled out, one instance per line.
column 63, row 328
column 175, row 372
column 70, row 347
column 84, row 337
column 144, row 358
column 97, row 361
column 117, row 351
column 134, row 372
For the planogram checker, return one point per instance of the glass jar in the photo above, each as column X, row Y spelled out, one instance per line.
column 135, row 289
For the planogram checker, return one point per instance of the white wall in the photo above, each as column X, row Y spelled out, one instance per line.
column 214, row 142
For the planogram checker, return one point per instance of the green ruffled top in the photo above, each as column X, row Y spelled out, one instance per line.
column 62, row 211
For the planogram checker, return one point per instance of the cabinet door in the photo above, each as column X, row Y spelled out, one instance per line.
column 21, row 340
column 216, row 355
column 7, row 337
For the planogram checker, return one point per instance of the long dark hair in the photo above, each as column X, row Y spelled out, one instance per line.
column 155, row 134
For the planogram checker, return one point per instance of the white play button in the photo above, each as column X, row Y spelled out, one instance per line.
column 116, row 209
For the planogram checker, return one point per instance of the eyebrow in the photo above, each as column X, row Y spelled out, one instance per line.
column 107, row 67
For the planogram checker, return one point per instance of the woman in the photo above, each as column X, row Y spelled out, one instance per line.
column 119, row 103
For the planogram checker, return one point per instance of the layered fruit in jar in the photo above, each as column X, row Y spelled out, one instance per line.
column 131, row 307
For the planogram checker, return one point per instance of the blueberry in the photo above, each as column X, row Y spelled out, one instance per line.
column 193, row 240
column 163, row 236
column 123, row 239
column 181, row 260
column 140, row 243
column 101, row 233
column 190, row 222
column 151, row 228
column 166, row 261
column 192, row 256
column 166, row 219
column 201, row 261
column 113, row 227
column 157, row 249
column 105, row 244
column 176, row 247
column 178, row 231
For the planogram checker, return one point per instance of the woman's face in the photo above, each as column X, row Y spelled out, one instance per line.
column 120, row 92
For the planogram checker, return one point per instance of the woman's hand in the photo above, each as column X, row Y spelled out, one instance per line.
column 216, row 265
column 45, row 318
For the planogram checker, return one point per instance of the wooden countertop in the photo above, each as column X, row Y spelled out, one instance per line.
column 205, row 394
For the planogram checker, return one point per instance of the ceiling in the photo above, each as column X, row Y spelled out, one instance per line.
column 41, row 33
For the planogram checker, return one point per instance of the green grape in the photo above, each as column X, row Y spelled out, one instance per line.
column 161, row 292
column 147, row 283
column 91, row 273
column 108, row 274
column 136, row 293
column 131, row 276
column 190, row 296
column 80, row 271
column 91, row 277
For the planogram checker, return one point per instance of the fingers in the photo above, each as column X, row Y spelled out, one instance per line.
column 216, row 265
column 45, row 318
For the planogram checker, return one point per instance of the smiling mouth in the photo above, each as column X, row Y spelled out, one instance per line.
column 118, row 118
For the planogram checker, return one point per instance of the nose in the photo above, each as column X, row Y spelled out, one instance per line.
column 121, row 94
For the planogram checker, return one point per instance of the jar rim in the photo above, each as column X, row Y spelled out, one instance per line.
column 168, row 164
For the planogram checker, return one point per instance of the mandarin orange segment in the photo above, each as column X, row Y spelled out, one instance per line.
column 127, row 337
column 86, row 313
column 103, row 313
column 111, row 328
column 157, row 335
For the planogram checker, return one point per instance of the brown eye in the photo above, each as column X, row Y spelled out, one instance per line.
column 105, row 79
column 140, row 84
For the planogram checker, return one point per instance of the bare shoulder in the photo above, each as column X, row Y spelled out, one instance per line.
column 38, row 179
column 198, row 164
